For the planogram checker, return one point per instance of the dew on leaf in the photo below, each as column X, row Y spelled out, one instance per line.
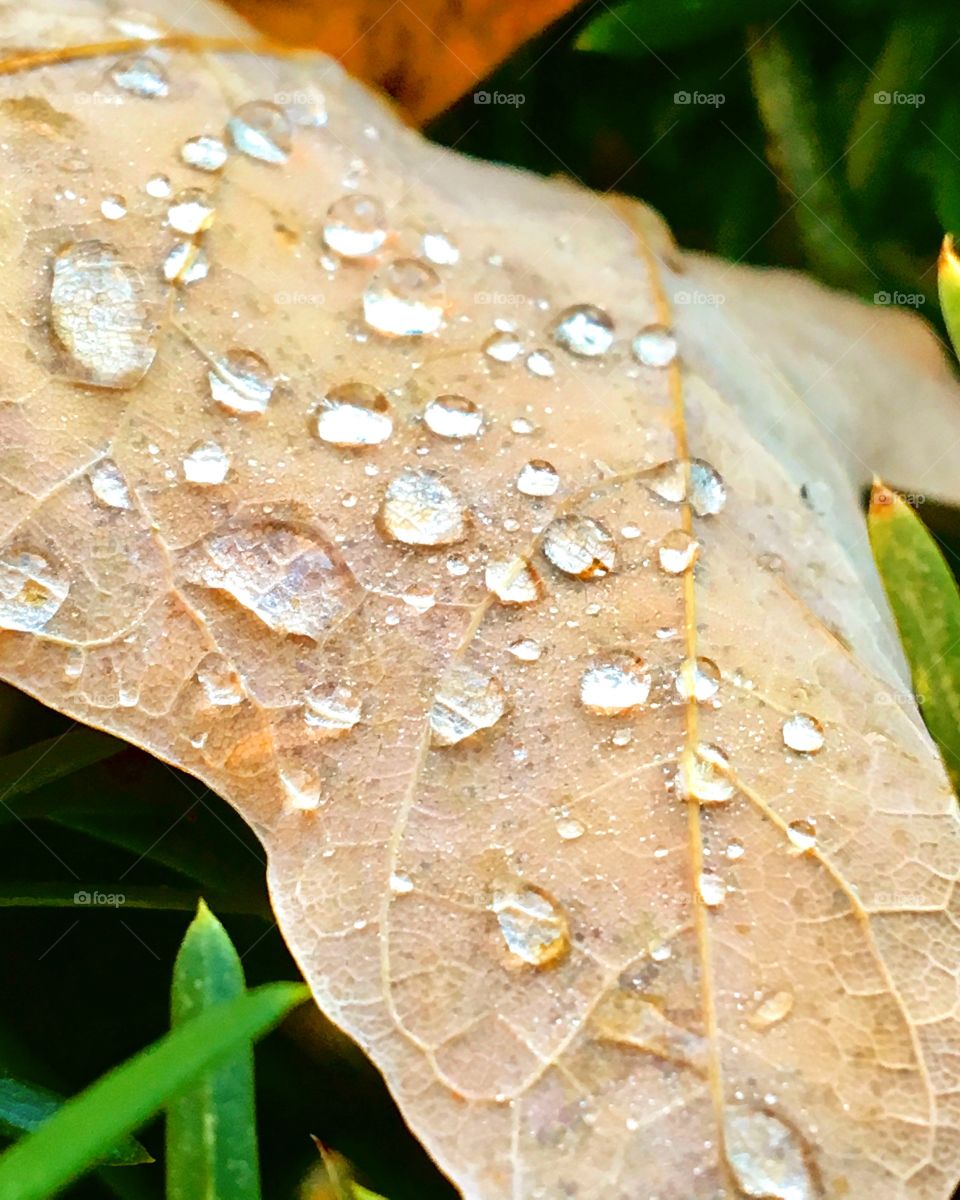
column 261, row 130
column 419, row 509
column 771, row 1010
column 712, row 889
column 400, row 884
column 113, row 207
column 205, row 152
column 525, row 649
column 569, row 828
column 803, row 734
column 533, row 925
column 580, row 546
column 584, row 330
column 140, row 75
column 618, row 685
column 538, row 478
column 108, row 485
column 466, row 702
column 354, row 415
column 404, row 298
column 453, row 416
column 513, row 581
column 705, row 489
column 654, row 346
column 331, row 711
column 186, row 263
column 355, row 226
column 503, row 346
column 241, row 382
column 206, row 463
column 704, row 777
column 698, row 680
column 192, row 211
column 802, row 834
column 220, row 682
column 301, row 788
column 32, row 591
column 766, row 1156
column 677, row 552
column 438, row 249
column 541, row 364
column 521, row 426
column 158, row 186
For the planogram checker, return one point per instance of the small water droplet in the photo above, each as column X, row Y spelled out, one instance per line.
column 418, row 509
column 503, row 346
column 453, row 417
column 802, row 834
column 262, row 131
column 521, row 426
column 73, row 664
column 580, row 546
column 654, row 346
column 615, row 686
column 301, row 788
column 113, row 207
column 513, row 581
column 31, row 591
column 241, row 382
column 771, row 1010
column 712, row 889
column 355, row 226
column 678, row 552
column 584, row 330
column 704, row 777
column 158, row 186
column 191, row 212
column 532, row 923
column 438, row 249
column 221, row 684
column 186, row 263
column 538, row 478
column 735, row 849
column 400, row 884
column 331, row 711
column 141, row 76
column 541, row 364
column 707, row 493
column 569, row 828
column 108, row 485
column 206, row 463
column 699, row 680
column 465, row 702
column 204, row 152
column 767, row 1157
column 525, row 649
column 353, row 414
column 457, row 566
column 803, row 733
column 621, row 737
column 405, row 298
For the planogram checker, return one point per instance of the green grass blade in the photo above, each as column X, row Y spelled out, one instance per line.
column 926, row 604
column 83, row 1130
column 948, row 282
column 211, row 1128
column 25, row 1106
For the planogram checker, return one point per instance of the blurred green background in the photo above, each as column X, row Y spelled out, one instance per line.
column 819, row 136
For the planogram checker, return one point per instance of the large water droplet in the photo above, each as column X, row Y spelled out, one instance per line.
column 191, row 212
column 262, row 131
column 108, row 485
column 331, row 711
column 654, row 346
column 465, row 702
column 585, row 330
column 97, row 312
column 353, row 414
column 141, row 76
column 113, row 207
column 615, row 686
column 405, row 298
column 712, row 889
column 204, row 152
column 418, row 509
column 706, row 491
column 242, row 382
column 355, row 226
column 453, row 417
column 802, row 834
column 31, row 591
column 513, row 581
column 803, row 733
column 580, row 546
column 206, row 463
column 704, row 775
column 677, row 552
column 503, row 346
column 771, row 1010
column 698, row 680
column 186, row 263
column 538, row 478
column 532, row 923
column 766, row 1157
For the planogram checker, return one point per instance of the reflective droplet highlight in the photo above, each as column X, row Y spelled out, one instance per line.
column 803, row 734
column 32, row 591
column 353, row 414
column 569, row 828
column 677, row 552
column 771, row 1010
column 241, row 382
column 580, row 546
column 699, row 680
column 705, row 490
column 466, row 702
column 654, row 346
column 712, row 889
column 141, row 76
column 533, row 925
column 704, row 777
column 186, row 263
column 584, row 330
column 108, row 485
column 513, row 582
column 438, row 249
column 355, row 226
column 538, row 478
column 262, row 131
column 191, row 212
column 525, row 650
column 503, row 346
column 113, row 207
column 405, row 298
column 618, row 685
column 541, row 364
column 206, row 463
column 453, row 416
column 802, row 834
column 331, row 711
column 204, row 152
column 419, row 509
column 767, row 1157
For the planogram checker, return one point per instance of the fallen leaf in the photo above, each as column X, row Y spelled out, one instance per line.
column 555, row 678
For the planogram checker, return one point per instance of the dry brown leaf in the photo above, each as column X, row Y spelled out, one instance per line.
column 449, row 697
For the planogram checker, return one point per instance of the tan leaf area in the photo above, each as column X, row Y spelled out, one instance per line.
column 364, row 482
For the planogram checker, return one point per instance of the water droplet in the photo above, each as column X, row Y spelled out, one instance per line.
column 706, row 493
column 803, row 733
column 191, row 212
column 802, row 834
column 262, row 131
column 331, row 711
column 186, row 263
column 438, row 249
column 405, row 298
column 418, row 509
column 453, row 417
column 241, row 382
column 141, row 76
column 513, row 581
column 698, row 680
column 401, row 885
column 466, row 702
column 97, row 312
column 580, row 546
column 206, row 463
column 31, row 591
column 569, row 828
column 621, row 737
column 74, row 663
column 766, row 1157
column 585, row 330
column 538, row 478
column 678, row 552
column 532, row 923
column 308, row 108
column 616, row 686
column 355, row 226
column 457, row 566
column 525, row 649
column 654, row 346
column 521, row 426
column 353, row 414
column 204, row 152
column 220, row 682
column 704, row 777
column 503, row 346
column 712, row 889
column 735, row 849
column 301, row 788
column 158, row 186
column 113, row 207
column 109, row 486
column 771, row 1010
column 541, row 364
